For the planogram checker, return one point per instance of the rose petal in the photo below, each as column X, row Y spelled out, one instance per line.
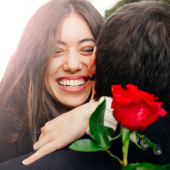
column 148, row 121
column 131, row 87
column 160, row 110
column 114, row 88
column 122, row 100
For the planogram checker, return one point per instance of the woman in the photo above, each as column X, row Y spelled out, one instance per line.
column 47, row 74
column 140, row 58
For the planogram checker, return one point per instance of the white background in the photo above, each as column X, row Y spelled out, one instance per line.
column 14, row 14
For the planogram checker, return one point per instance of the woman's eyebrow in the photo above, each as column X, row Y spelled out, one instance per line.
column 81, row 41
column 87, row 39
column 61, row 42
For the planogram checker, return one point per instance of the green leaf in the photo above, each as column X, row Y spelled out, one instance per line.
column 97, row 118
column 97, row 129
column 84, row 145
column 146, row 166
column 147, row 141
column 110, row 132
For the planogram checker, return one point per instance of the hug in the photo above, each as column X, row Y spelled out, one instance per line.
column 133, row 47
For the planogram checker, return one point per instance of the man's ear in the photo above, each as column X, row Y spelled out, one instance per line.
column 92, row 64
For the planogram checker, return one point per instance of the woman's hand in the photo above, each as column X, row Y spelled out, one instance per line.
column 62, row 131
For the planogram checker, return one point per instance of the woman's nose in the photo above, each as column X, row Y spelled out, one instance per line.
column 72, row 62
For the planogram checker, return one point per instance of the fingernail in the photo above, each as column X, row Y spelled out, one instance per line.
column 25, row 162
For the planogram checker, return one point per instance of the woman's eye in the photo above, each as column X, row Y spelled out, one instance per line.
column 87, row 51
column 59, row 51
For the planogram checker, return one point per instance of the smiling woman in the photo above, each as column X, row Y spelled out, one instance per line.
column 47, row 74
column 66, row 78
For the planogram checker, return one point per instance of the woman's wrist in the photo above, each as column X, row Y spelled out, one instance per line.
column 90, row 110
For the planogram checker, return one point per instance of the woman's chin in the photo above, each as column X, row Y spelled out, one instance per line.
column 74, row 102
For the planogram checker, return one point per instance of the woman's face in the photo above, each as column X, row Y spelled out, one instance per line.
column 66, row 78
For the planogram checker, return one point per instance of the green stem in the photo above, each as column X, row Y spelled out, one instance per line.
column 117, row 136
column 125, row 142
column 134, row 135
column 151, row 144
column 114, row 156
column 125, row 152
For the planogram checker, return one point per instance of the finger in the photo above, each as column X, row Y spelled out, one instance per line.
column 51, row 121
column 42, row 141
column 46, row 124
column 48, row 127
column 41, row 136
column 40, row 153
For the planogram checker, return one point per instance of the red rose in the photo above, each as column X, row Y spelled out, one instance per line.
column 135, row 109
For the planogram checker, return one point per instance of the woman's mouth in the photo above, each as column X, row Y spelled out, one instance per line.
column 72, row 83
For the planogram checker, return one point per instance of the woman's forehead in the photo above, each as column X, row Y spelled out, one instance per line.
column 74, row 27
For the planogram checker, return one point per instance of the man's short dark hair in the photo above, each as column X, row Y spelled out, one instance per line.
column 134, row 47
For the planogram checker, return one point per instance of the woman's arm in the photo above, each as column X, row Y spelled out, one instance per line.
column 62, row 131
column 72, row 125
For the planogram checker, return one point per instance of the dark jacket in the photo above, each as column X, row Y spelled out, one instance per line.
column 159, row 133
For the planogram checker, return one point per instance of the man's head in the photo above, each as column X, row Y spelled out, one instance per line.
column 134, row 47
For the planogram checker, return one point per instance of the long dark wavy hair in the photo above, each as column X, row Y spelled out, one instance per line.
column 22, row 90
column 134, row 47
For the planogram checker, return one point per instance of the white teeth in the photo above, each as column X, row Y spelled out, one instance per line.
column 72, row 83
column 65, row 83
column 76, row 82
